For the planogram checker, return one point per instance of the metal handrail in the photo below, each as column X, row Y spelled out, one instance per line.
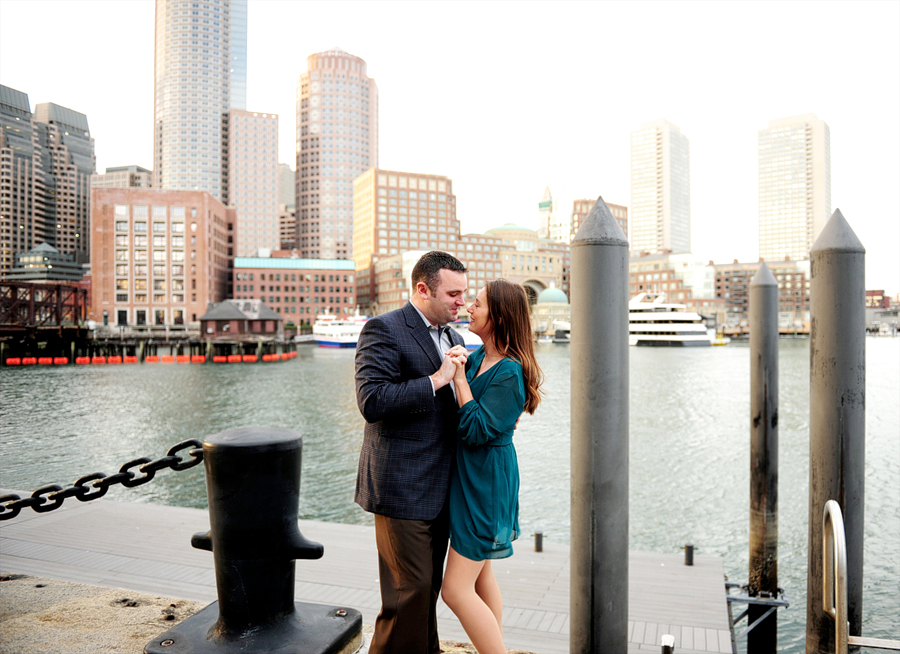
column 834, row 583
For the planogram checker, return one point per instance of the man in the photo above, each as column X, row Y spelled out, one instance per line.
column 403, row 374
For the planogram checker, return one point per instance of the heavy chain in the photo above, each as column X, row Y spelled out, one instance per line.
column 94, row 486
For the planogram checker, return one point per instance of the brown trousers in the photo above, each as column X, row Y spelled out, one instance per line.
column 411, row 566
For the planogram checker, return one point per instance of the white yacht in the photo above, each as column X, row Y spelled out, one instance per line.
column 330, row 330
column 653, row 321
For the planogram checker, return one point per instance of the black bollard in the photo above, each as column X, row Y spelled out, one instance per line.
column 253, row 485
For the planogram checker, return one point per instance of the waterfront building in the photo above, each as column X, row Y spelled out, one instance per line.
column 794, row 186
column 159, row 257
column 683, row 278
column 509, row 251
column 123, row 177
column 234, row 319
column 337, row 141
column 200, row 73
column 793, row 277
column 253, row 179
column 44, row 263
column 534, row 262
column 660, row 189
column 551, row 308
column 46, row 163
column 398, row 211
column 581, row 208
column 297, row 289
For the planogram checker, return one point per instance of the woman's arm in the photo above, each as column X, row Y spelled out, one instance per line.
column 496, row 412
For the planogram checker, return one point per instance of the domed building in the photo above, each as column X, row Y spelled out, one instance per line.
column 526, row 259
column 551, row 312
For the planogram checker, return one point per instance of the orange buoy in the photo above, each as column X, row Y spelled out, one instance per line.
column 14, row 361
column 29, row 361
column 114, row 359
column 183, row 358
column 198, row 358
column 153, row 358
column 80, row 361
column 249, row 358
column 234, row 358
column 167, row 359
column 45, row 361
column 98, row 360
column 61, row 361
column 129, row 359
column 220, row 358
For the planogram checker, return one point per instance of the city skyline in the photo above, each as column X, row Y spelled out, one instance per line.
column 488, row 130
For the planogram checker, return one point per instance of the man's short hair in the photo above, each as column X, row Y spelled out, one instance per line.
column 428, row 268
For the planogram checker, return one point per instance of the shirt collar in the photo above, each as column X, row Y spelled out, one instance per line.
column 426, row 321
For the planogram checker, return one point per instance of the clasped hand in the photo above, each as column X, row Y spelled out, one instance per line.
column 453, row 366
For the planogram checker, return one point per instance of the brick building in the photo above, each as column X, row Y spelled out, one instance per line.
column 297, row 289
column 158, row 257
column 733, row 288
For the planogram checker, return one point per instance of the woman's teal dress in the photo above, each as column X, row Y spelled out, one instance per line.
column 484, row 487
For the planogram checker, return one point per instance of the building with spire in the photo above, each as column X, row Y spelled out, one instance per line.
column 200, row 73
column 660, row 189
column 794, row 186
column 337, row 141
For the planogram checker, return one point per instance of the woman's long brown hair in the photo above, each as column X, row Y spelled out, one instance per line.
column 507, row 306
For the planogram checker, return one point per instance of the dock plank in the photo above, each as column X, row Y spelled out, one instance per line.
column 144, row 547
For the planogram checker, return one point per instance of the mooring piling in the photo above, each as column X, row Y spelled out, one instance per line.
column 837, row 425
column 253, row 485
column 763, row 579
column 599, row 437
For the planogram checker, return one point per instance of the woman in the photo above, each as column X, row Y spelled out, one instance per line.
column 499, row 381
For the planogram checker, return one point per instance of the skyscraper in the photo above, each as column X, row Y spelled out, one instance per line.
column 200, row 53
column 660, row 189
column 253, row 179
column 794, row 186
column 337, row 140
column 46, row 163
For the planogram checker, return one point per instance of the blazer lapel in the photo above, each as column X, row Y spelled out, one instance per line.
column 422, row 335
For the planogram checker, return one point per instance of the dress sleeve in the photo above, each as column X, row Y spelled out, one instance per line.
column 495, row 413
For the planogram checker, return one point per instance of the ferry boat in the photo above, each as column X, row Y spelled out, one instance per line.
column 653, row 321
column 330, row 330
column 472, row 341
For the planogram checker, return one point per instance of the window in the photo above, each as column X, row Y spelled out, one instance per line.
column 121, row 225
column 140, row 226
column 159, row 227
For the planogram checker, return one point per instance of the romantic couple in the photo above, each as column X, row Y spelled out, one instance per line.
column 437, row 460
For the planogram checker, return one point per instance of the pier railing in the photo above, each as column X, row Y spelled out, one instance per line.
column 834, row 584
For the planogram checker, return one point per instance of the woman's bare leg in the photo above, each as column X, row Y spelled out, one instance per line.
column 487, row 589
column 477, row 618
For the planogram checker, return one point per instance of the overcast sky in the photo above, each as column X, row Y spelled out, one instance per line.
column 506, row 98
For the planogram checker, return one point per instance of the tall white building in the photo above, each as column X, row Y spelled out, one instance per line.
column 337, row 141
column 253, row 180
column 794, row 186
column 660, row 189
column 200, row 53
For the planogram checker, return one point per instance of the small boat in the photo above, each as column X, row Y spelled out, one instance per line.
column 653, row 321
column 330, row 330
column 472, row 341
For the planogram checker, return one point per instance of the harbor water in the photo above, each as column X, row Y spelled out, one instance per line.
column 689, row 447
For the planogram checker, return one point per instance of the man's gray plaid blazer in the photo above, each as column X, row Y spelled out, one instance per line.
column 407, row 450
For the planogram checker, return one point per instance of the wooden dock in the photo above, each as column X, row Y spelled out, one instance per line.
column 146, row 548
